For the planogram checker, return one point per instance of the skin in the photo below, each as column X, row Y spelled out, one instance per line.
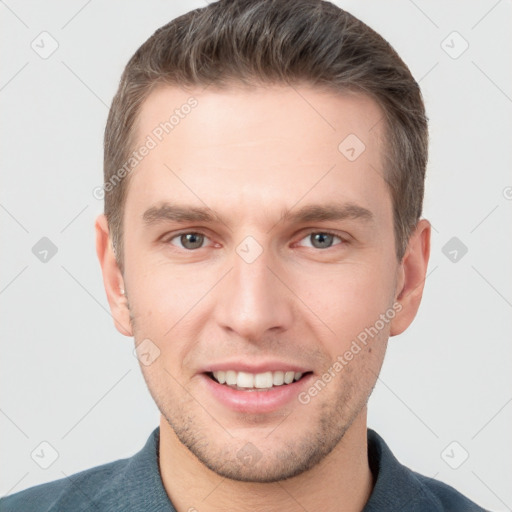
column 249, row 154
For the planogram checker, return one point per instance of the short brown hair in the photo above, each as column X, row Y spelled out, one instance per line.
column 283, row 42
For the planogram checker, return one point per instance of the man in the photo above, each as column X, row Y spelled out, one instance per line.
column 262, row 240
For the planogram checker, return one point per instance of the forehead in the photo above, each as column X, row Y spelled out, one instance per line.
column 258, row 148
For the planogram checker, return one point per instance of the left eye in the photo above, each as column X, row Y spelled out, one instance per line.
column 321, row 239
column 190, row 241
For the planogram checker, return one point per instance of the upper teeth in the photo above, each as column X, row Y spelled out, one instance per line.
column 256, row 380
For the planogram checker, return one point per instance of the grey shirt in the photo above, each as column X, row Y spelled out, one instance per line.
column 134, row 484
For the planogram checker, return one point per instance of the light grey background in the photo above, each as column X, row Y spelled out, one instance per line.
column 67, row 376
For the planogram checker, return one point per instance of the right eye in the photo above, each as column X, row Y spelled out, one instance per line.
column 189, row 241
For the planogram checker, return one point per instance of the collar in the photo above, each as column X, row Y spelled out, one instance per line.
column 395, row 486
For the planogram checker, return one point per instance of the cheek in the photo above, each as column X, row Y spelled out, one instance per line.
column 165, row 303
column 348, row 298
column 164, row 295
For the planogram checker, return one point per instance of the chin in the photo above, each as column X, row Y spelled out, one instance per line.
column 262, row 461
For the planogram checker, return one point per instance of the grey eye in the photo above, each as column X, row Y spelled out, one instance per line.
column 191, row 240
column 321, row 240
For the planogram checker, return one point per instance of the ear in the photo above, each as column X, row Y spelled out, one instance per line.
column 411, row 277
column 112, row 277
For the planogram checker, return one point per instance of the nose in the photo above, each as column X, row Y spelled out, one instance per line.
column 253, row 300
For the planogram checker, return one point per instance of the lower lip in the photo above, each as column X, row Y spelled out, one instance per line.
column 255, row 402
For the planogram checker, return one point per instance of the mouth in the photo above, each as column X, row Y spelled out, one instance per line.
column 264, row 381
column 254, row 387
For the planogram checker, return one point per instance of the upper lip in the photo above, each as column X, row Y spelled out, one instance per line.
column 260, row 367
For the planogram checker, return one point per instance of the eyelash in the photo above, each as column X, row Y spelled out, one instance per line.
column 167, row 240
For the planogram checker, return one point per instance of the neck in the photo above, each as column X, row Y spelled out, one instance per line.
column 343, row 477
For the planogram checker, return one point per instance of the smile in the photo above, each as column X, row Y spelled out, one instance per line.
column 246, row 381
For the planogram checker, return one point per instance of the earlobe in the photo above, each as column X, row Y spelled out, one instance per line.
column 411, row 277
column 112, row 277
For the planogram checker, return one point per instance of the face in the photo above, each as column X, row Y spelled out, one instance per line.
column 259, row 250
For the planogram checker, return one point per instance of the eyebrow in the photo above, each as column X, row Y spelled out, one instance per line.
column 311, row 213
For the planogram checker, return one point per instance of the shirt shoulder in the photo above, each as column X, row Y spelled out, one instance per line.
column 396, row 487
column 77, row 492
column 126, row 485
column 446, row 497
